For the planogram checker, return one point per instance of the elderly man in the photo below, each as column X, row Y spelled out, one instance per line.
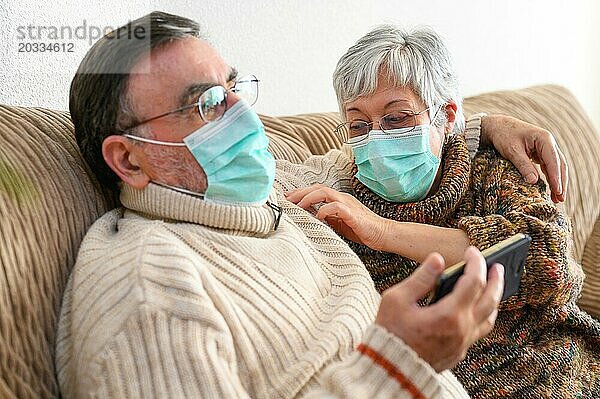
column 207, row 282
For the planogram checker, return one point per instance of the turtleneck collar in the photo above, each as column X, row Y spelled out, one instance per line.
column 159, row 202
column 435, row 208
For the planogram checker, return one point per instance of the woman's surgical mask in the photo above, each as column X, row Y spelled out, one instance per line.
column 233, row 153
column 398, row 164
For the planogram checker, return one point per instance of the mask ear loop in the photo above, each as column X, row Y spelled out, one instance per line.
column 150, row 141
column 432, row 124
column 181, row 190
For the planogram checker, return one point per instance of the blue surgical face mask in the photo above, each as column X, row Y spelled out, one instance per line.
column 397, row 165
column 233, row 153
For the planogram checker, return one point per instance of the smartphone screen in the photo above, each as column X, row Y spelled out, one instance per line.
column 511, row 253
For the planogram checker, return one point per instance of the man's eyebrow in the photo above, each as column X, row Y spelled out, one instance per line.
column 191, row 92
column 232, row 75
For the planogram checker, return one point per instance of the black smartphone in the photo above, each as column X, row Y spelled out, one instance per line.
column 511, row 253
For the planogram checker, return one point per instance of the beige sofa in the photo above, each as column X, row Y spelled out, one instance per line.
column 48, row 199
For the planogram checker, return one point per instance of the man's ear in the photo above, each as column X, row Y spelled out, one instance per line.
column 450, row 109
column 123, row 157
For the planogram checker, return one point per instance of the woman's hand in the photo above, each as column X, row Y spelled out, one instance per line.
column 351, row 219
column 344, row 213
column 523, row 143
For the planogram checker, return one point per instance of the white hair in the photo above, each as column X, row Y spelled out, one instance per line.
column 417, row 59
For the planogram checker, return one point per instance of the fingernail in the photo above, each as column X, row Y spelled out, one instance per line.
column 531, row 178
column 500, row 269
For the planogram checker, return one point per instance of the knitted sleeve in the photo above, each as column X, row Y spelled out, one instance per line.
column 332, row 170
column 158, row 354
column 473, row 133
column 379, row 368
column 506, row 205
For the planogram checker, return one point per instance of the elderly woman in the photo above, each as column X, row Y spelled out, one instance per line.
column 411, row 178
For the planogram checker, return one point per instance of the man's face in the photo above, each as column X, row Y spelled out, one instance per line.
column 168, row 78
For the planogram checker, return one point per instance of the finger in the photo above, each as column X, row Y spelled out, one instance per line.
column 423, row 279
column 322, row 194
column 553, row 195
column 471, row 284
column 549, row 153
column 335, row 209
column 340, row 218
column 545, row 172
column 564, row 174
column 487, row 310
column 486, row 327
column 312, row 198
column 296, row 195
column 525, row 166
column 490, row 298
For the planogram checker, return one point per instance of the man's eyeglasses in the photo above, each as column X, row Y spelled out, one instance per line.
column 403, row 119
column 212, row 103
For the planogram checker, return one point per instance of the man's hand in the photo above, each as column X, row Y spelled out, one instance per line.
column 521, row 143
column 441, row 333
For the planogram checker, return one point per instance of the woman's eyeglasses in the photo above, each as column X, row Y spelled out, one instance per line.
column 403, row 119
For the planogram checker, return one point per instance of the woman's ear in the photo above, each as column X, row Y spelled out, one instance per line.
column 124, row 157
column 450, row 109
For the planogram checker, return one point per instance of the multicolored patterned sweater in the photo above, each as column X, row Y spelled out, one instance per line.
column 543, row 345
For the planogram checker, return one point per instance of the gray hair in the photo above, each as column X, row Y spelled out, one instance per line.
column 417, row 59
column 99, row 99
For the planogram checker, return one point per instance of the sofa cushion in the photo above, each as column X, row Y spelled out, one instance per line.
column 47, row 202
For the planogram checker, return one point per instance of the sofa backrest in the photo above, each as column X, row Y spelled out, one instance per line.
column 48, row 199
column 47, row 202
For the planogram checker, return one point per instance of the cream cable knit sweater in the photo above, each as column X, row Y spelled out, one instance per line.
column 177, row 297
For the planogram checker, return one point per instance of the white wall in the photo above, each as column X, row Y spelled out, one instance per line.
column 293, row 45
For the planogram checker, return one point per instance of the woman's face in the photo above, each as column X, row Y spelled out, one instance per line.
column 388, row 99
